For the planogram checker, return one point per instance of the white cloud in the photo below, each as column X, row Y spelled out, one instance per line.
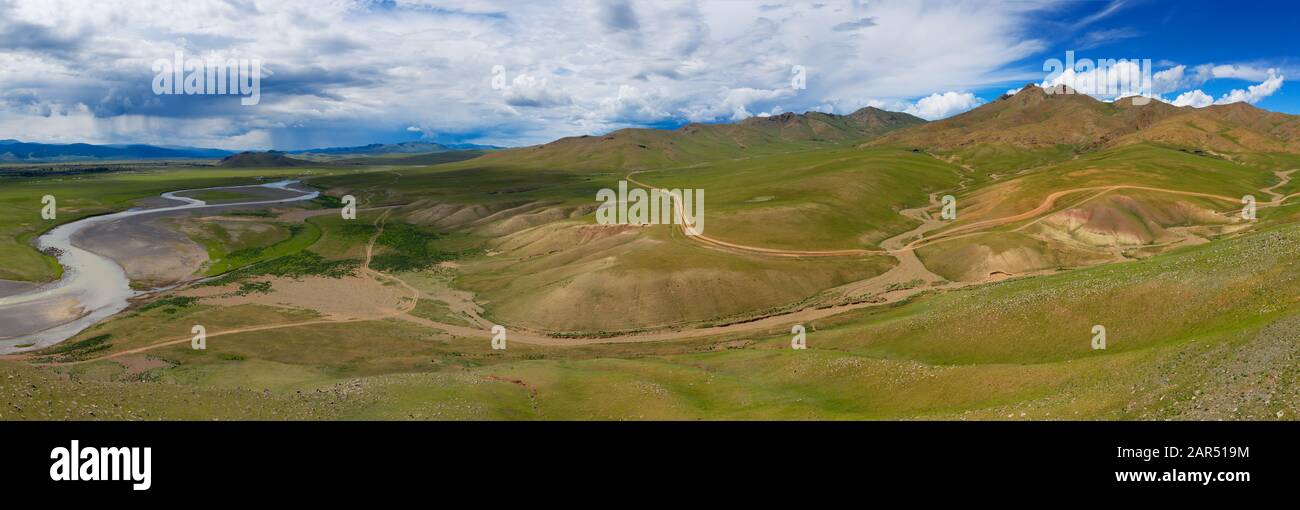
column 938, row 106
column 572, row 66
column 1254, row 93
column 1196, row 98
column 1243, row 72
column 531, row 91
column 1127, row 79
column 1109, row 81
column 631, row 105
column 737, row 101
column 1103, row 37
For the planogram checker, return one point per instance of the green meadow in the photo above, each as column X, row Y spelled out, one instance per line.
column 1195, row 331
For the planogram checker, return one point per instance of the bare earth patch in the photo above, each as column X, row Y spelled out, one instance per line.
column 350, row 297
column 140, row 363
column 150, row 253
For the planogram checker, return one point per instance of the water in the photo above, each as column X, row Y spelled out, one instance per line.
column 94, row 284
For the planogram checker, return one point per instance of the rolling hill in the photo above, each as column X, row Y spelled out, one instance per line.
column 637, row 148
column 387, row 149
column 17, row 151
column 261, row 160
column 1036, row 126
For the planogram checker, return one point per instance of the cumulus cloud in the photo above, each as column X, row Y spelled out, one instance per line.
column 1196, row 98
column 630, row 106
column 531, row 91
column 737, row 101
column 1252, row 94
column 352, row 72
column 1110, row 80
column 938, row 106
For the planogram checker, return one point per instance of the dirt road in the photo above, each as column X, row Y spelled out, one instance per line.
column 908, row 269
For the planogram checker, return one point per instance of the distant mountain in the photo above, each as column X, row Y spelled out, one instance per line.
column 1034, row 118
column 635, row 148
column 472, row 147
column 376, row 149
column 17, row 151
column 432, row 158
column 261, row 160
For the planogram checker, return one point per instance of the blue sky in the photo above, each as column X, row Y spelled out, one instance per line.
column 1252, row 34
column 506, row 72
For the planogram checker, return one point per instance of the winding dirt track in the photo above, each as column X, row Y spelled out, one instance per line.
column 763, row 323
column 1047, row 205
column 365, row 269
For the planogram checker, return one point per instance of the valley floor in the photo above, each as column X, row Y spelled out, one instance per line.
column 321, row 319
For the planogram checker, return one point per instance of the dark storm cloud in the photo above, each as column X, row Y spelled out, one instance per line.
column 314, row 81
column 854, row 25
column 336, row 44
column 23, row 36
column 618, row 16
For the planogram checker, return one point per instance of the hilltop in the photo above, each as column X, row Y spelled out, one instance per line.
column 18, row 151
column 261, row 159
column 1034, row 124
column 641, row 148
column 387, row 149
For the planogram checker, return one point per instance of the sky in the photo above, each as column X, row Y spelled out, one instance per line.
column 515, row 73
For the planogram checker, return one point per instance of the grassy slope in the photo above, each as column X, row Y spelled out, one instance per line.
column 1192, row 334
column 1178, row 322
column 845, row 197
column 823, row 200
column 81, row 196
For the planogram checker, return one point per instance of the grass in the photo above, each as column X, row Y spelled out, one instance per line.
column 1018, row 349
column 1188, row 329
column 172, row 302
column 824, row 200
column 408, row 249
column 295, row 265
column 85, row 194
column 81, row 349
column 246, row 288
column 300, row 237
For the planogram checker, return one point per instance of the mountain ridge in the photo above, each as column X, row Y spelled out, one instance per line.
column 641, row 148
column 1035, row 118
column 23, row 152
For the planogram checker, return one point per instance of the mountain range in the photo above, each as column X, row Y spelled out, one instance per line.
column 1035, row 118
column 638, row 148
column 1027, row 124
column 15, row 151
